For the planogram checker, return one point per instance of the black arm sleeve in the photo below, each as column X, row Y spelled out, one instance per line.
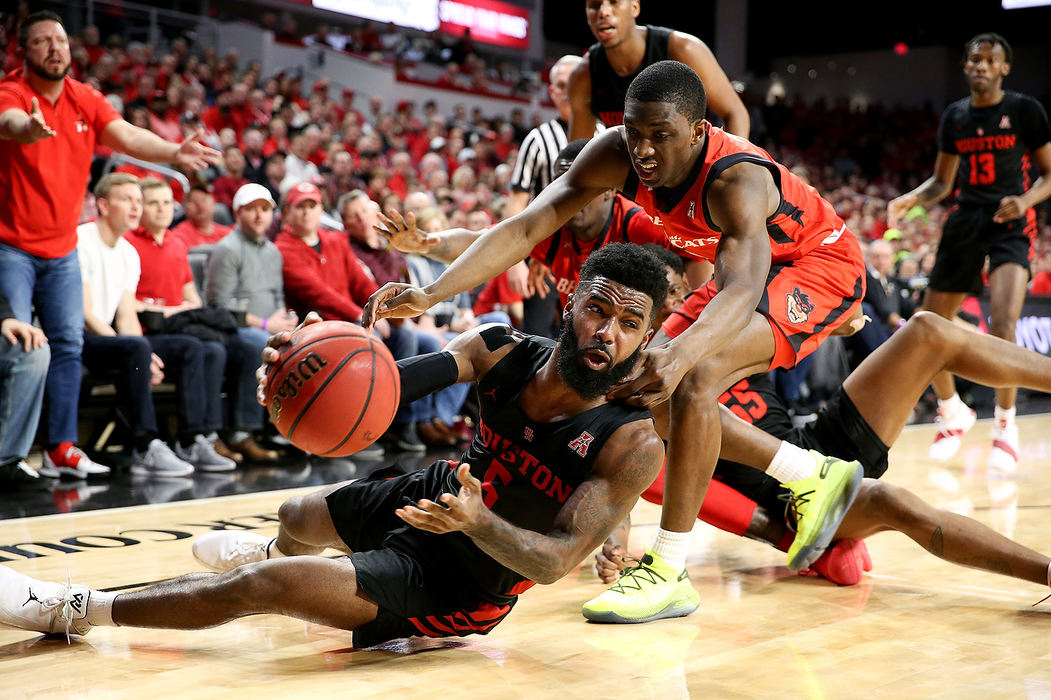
column 426, row 374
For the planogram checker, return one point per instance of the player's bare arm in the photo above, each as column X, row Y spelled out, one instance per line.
column 443, row 246
column 581, row 120
column 1014, row 207
column 629, row 462
column 722, row 98
column 931, row 191
column 602, row 165
column 739, row 201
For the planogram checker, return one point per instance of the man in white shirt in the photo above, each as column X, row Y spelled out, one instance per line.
column 113, row 338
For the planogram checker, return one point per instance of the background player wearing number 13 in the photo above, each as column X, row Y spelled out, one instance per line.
column 989, row 138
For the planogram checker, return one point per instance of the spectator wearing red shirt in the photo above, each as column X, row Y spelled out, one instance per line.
column 199, row 227
column 166, row 284
column 320, row 271
column 50, row 125
column 497, row 295
column 226, row 185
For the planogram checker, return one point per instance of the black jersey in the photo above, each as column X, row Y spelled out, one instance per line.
column 608, row 88
column 993, row 144
column 528, row 470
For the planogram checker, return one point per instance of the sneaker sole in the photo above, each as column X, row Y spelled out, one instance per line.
column 678, row 608
column 810, row 553
column 211, row 468
column 146, row 471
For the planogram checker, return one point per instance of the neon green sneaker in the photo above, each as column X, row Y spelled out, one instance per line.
column 650, row 590
column 820, row 501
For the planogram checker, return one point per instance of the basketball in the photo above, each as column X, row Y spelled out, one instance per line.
column 334, row 390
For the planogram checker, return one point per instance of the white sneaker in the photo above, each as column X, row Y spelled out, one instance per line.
column 51, row 608
column 74, row 464
column 159, row 460
column 1004, row 455
column 222, row 550
column 202, row 455
column 950, row 432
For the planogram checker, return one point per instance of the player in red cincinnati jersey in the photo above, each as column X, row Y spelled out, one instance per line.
column 787, row 272
column 990, row 138
column 609, row 218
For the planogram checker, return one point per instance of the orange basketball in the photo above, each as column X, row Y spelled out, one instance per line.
column 334, row 390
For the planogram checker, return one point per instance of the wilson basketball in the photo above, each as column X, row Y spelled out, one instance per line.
column 334, row 390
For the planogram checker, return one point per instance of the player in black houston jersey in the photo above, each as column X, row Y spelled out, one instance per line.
column 443, row 551
column 987, row 143
column 597, row 85
column 864, row 417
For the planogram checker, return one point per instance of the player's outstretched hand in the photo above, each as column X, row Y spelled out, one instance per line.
column 1011, row 208
column 403, row 233
column 662, row 370
column 463, row 512
column 395, row 300
column 195, row 155
column 272, row 352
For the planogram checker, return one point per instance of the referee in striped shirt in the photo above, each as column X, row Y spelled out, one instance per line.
column 533, row 172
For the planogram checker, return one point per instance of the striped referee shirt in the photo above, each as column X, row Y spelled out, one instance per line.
column 536, row 157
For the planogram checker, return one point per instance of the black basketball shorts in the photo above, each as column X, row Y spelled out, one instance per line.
column 839, row 431
column 419, row 592
column 968, row 238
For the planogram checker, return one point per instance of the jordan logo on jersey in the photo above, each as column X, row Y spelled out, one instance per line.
column 581, row 443
column 1005, row 122
column 692, row 210
column 799, row 306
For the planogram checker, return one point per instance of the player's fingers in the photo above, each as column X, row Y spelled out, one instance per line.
column 34, row 107
column 463, row 473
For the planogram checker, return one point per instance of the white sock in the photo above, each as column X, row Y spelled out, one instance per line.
column 672, row 547
column 100, row 609
column 791, row 463
column 951, row 405
column 272, row 552
column 1004, row 416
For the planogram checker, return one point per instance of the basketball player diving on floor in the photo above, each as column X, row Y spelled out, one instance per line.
column 860, row 422
column 788, row 274
column 443, row 551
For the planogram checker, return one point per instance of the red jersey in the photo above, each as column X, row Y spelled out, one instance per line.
column 188, row 233
column 165, row 266
column 803, row 221
column 565, row 254
column 43, row 184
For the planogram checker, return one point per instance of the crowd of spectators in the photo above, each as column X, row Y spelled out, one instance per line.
column 324, row 164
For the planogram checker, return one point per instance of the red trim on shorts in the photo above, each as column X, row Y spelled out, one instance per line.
column 462, row 622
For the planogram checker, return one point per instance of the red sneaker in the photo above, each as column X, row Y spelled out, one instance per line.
column 844, row 563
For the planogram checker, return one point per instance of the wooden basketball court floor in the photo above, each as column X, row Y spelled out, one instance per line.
column 916, row 627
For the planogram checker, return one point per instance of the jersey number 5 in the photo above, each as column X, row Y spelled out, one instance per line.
column 983, row 169
column 495, row 472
